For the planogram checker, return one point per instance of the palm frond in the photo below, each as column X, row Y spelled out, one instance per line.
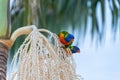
column 57, row 15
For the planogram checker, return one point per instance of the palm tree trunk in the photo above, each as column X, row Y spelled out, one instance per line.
column 3, row 61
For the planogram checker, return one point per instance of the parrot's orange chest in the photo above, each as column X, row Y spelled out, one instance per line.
column 62, row 40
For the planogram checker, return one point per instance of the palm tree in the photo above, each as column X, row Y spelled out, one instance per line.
column 4, row 35
column 54, row 15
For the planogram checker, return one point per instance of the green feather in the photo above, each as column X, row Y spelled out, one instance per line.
column 65, row 33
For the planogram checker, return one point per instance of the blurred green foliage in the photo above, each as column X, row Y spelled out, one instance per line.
column 57, row 15
column 61, row 14
column 4, row 19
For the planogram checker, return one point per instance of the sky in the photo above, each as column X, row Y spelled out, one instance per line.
column 100, row 62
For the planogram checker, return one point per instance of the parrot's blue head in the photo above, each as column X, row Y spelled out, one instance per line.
column 69, row 37
column 74, row 49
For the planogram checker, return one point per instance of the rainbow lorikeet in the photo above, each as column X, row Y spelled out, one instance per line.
column 66, row 38
column 74, row 49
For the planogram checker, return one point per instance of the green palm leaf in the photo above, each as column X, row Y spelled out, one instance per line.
column 57, row 15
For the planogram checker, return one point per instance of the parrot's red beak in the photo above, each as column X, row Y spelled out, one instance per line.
column 72, row 40
column 78, row 51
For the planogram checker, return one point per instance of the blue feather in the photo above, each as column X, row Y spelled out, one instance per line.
column 74, row 49
column 69, row 37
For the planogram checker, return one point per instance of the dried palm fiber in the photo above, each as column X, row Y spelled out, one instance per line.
column 40, row 59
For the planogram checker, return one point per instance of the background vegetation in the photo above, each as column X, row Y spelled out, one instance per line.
column 57, row 15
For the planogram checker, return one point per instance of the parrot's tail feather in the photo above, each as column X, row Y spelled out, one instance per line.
column 38, row 58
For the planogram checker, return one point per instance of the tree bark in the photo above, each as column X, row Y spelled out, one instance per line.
column 3, row 61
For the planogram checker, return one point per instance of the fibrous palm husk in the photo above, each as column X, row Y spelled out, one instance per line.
column 42, row 58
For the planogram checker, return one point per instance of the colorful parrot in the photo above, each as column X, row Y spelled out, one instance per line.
column 74, row 49
column 66, row 38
